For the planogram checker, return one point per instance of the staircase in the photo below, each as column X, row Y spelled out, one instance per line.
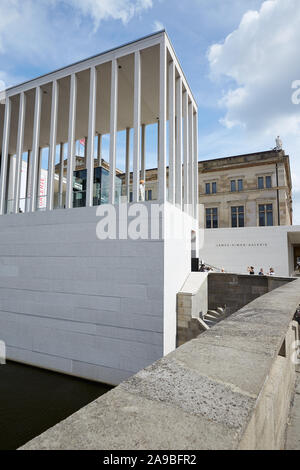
column 212, row 317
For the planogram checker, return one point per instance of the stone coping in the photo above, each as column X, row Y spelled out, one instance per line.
column 193, row 283
column 201, row 396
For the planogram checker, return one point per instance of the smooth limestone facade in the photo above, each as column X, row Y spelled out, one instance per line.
column 98, row 309
column 235, row 249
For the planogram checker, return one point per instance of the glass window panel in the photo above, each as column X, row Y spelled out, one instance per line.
column 208, row 218
column 241, row 216
column 240, row 185
column 215, row 218
column 214, row 188
column 207, row 188
column 233, row 217
column 260, row 182
column 268, row 182
column 233, row 186
column 269, row 215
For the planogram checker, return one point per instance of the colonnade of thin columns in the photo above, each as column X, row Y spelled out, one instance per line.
column 183, row 140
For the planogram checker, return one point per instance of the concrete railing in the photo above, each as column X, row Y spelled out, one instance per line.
column 237, row 290
column 230, row 388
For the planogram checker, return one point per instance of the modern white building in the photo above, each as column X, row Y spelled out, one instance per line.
column 100, row 309
column 235, row 249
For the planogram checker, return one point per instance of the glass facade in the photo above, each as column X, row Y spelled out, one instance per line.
column 100, row 190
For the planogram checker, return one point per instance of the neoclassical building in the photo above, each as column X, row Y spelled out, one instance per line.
column 251, row 190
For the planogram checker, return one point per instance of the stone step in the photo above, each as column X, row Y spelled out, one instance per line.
column 211, row 318
column 221, row 310
column 203, row 323
column 214, row 314
column 210, row 323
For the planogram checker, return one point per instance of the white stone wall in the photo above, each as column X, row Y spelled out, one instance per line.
column 261, row 247
column 76, row 304
column 177, row 267
column 69, row 302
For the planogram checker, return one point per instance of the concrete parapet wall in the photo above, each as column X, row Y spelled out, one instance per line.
column 228, row 389
column 237, row 290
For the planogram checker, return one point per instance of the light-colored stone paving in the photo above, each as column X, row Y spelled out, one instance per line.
column 293, row 431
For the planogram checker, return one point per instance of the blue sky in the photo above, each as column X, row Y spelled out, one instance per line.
column 240, row 58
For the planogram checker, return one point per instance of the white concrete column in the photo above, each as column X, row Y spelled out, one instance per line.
column 39, row 176
column 35, row 150
column 71, row 142
column 178, row 192
column 85, row 152
column 191, row 158
column 196, row 167
column 172, row 147
column 99, row 149
column 61, row 175
column 91, row 138
column 28, row 176
column 4, row 159
column 137, row 127
column 52, row 146
column 127, row 170
column 20, row 143
column 162, row 174
column 143, row 164
column 185, row 149
column 158, row 145
column 11, row 183
column 113, row 130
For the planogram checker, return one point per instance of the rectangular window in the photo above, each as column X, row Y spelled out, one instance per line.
column 261, row 182
column 149, row 195
column 238, row 216
column 269, row 215
column 214, row 188
column 240, row 185
column 207, row 188
column 233, row 186
column 268, row 182
column 212, row 218
column 131, row 197
column 265, row 215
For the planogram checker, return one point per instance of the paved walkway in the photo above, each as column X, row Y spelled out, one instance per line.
column 293, row 431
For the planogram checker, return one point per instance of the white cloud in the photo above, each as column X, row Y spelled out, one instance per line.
column 261, row 58
column 157, row 26
column 257, row 65
column 100, row 10
column 46, row 34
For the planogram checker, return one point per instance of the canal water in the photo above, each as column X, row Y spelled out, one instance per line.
column 33, row 400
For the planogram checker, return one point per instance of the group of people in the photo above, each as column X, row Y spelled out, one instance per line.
column 205, row 269
column 251, row 271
